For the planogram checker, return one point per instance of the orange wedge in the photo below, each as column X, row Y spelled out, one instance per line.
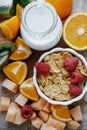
column 16, row 71
column 19, row 10
column 61, row 112
column 28, row 89
column 22, row 52
column 75, row 31
column 10, row 27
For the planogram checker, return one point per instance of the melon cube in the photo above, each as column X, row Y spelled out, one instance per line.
column 18, row 118
column 10, row 85
column 37, row 122
column 33, row 115
column 72, row 125
column 55, row 123
column 43, row 115
column 76, row 113
column 5, row 103
column 46, row 127
column 46, row 107
column 11, row 112
column 21, row 100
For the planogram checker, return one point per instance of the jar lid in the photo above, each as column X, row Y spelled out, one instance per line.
column 39, row 18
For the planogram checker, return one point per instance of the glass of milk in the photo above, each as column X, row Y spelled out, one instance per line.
column 41, row 27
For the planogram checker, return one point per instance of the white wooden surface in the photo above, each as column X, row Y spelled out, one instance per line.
column 78, row 6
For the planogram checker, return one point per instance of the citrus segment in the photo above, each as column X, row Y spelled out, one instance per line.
column 10, row 27
column 63, row 7
column 61, row 112
column 75, row 31
column 19, row 10
column 28, row 89
column 16, row 71
column 22, row 52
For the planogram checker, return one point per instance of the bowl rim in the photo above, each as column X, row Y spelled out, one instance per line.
column 38, row 88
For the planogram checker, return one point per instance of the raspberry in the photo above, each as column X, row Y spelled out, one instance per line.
column 71, row 63
column 75, row 89
column 76, row 77
column 26, row 111
column 42, row 68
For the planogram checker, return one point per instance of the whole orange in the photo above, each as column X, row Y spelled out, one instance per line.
column 63, row 7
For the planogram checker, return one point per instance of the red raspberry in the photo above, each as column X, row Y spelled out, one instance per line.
column 71, row 63
column 26, row 111
column 76, row 77
column 42, row 68
column 75, row 89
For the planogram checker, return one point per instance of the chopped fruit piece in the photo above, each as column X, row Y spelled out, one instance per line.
column 46, row 127
column 10, row 85
column 43, row 115
column 10, row 27
column 4, row 60
column 37, row 122
column 55, row 123
column 46, row 107
column 11, row 112
column 61, row 112
column 4, row 104
column 76, row 77
column 72, row 125
column 26, row 111
column 33, row 115
column 19, row 10
column 28, row 89
column 42, row 68
column 76, row 113
column 74, row 31
column 21, row 100
column 18, row 118
column 75, row 89
column 16, row 71
column 38, row 105
column 70, row 64
column 22, row 52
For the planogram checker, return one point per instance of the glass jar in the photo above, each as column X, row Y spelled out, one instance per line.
column 41, row 27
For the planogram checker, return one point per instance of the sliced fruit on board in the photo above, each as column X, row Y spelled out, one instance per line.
column 28, row 89
column 74, row 31
column 72, row 125
column 4, row 60
column 61, row 112
column 16, row 71
column 22, row 52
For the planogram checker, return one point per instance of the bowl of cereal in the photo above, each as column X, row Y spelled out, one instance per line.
column 60, row 76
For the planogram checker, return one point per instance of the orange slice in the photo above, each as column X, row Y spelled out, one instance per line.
column 22, row 52
column 75, row 31
column 28, row 89
column 61, row 112
column 19, row 10
column 16, row 71
column 10, row 27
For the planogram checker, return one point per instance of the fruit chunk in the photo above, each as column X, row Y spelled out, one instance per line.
column 21, row 100
column 10, row 27
column 4, row 104
column 46, row 107
column 11, row 112
column 10, row 85
column 72, row 125
column 75, row 89
column 46, row 127
column 4, row 60
column 43, row 115
column 37, row 122
column 42, row 68
column 76, row 77
column 19, row 10
column 38, row 105
column 28, row 89
column 18, row 118
column 22, row 52
column 26, row 111
column 70, row 64
column 16, row 71
column 76, row 113
column 33, row 115
column 74, row 31
column 56, row 123
column 61, row 112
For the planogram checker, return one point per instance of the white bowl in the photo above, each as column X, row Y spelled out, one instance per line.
column 47, row 98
